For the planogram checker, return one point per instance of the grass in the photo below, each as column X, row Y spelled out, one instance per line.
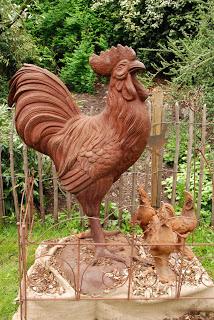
column 9, row 255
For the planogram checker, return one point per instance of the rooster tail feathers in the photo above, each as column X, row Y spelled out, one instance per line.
column 43, row 105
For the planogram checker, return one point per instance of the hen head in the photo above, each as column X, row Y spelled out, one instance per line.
column 121, row 64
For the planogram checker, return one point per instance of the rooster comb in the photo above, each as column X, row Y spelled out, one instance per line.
column 105, row 62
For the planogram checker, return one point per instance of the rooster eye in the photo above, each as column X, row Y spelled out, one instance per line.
column 121, row 69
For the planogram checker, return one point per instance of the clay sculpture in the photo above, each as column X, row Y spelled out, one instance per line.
column 90, row 152
column 164, row 232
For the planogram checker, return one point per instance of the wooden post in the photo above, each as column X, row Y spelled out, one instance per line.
column 55, row 193
column 2, row 208
column 41, row 194
column 12, row 170
column 134, row 187
column 176, row 157
column 25, row 166
column 148, row 153
column 202, row 160
column 189, row 148
column 120, row 200
column 26, row 184
column 212, row 217
column 106, row 204
column 68, row 202
column 157, row 115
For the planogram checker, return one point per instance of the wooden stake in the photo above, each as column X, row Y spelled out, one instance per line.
column 134, row 187
column 41, row 194
column 26, row 183
column 176, row 157
column 189, row 148
column 106, row 203
column 202, row 161
column 120, row 200
column 2, row 208
column 212, row 217
column 68, row 202
column 157, row 114
column 55, row 193
column 12, row 170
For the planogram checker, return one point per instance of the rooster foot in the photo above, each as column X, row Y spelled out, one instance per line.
column 166, row 275
column 105, row 253
column 188, row 253
column 87, row 234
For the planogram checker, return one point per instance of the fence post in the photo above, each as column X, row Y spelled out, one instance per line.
column 120, row 200
column 134, row 186
column 189, row 148
column 148, row 152
column 2, row 208
column 202, row 161
column 157, row 115
column 176, row 157
column 212, row 217
column 27, row 182
column 68, row 202
column 12, row 170
column 41, row 194
column 55, row 189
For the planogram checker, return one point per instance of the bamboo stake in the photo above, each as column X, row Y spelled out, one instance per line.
column 202, row 161
column 176, row 157
column 12, row 170
column 189, row 148
column 41, row 194
column 55, row 193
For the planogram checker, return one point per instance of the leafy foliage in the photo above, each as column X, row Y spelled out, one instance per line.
column 193, row 63
column 148, row 24
column 16, row 45
column 76, row 70
column 77, row 33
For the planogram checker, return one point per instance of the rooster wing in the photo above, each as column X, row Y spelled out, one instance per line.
column 89, row 153
column 83, row 148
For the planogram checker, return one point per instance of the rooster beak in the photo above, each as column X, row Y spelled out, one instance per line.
column 136, row 66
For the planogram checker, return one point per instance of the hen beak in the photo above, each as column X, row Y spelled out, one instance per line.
column 136, row 66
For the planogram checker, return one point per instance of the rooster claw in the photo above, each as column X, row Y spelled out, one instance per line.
column 105, row 253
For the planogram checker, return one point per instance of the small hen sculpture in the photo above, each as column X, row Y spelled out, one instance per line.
column 165, row 232
column 90, row 152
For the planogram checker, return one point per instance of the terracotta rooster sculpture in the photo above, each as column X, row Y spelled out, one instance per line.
column 90, row 152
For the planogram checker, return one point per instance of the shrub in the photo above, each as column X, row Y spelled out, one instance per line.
column 76, row 72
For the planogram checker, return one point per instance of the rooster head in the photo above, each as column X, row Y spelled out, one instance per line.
column 121, row 64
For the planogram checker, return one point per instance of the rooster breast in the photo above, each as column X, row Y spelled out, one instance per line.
column 86, row 149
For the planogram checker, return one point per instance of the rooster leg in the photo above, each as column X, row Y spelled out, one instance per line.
column 90, row 200
column 99, row 239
